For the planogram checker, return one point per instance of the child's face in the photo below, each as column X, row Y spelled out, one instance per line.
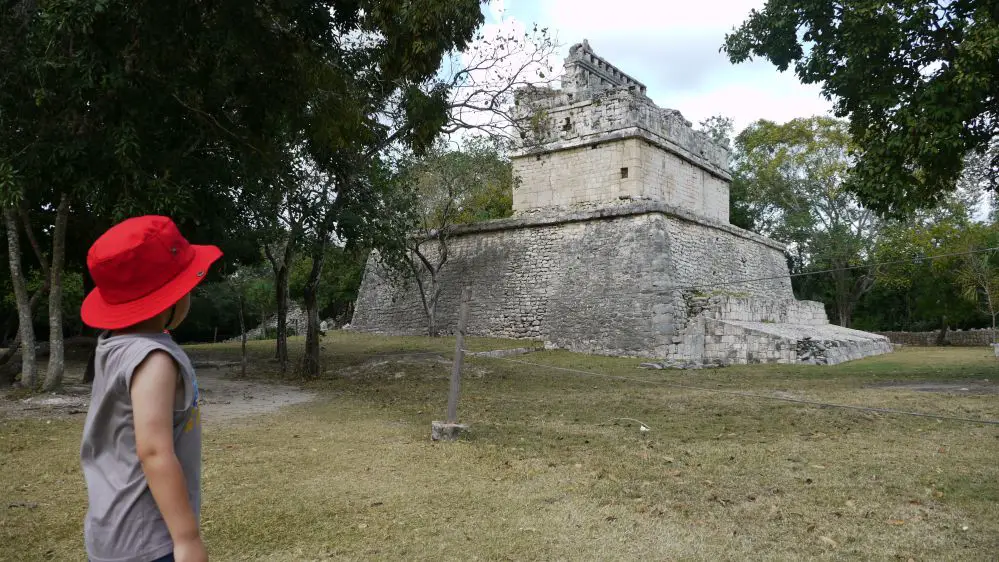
column 181, row 309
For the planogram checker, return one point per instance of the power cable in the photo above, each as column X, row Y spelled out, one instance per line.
column 741, row 394
column 838, row 269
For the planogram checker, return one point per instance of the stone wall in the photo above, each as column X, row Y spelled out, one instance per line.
column 587, row 72
column 608, row 281
column 600, row 140
column 767, row 310
column 664, row 176
column 608, row 174
column 732, row 341
column 555, row 120
column 298, row 324
column 577, row 176
column 967, row 338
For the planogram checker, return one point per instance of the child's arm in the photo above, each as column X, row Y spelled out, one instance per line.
column 153, row 387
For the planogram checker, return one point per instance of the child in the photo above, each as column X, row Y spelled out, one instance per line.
column 141, row 450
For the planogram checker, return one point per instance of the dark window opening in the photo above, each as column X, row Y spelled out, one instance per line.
column 624, row 173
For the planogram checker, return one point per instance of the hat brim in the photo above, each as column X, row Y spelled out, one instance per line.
column 96, row 312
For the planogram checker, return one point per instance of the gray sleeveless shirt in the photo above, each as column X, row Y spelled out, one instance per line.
column 123, row 523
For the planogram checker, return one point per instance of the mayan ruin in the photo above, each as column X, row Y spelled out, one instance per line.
column 620, row 244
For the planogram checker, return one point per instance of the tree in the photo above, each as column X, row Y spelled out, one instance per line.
column 742, row 213
column 27, row 331
column 914, row 291
column 339, row 283
column 980, row 178
column 290, row 213
column 481, row 80
column 918, row 80
column 978, row 272
column 135, row 107
column 473, row 92
column 453, row 187
column 795, row 175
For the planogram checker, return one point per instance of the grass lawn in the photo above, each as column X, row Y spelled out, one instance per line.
column 551, row 471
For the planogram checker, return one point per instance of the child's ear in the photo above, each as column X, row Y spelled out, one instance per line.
column 180, row 311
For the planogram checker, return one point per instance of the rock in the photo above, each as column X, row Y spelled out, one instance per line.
column 443, row 431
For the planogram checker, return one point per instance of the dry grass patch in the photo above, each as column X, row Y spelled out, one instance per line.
column 549, row 473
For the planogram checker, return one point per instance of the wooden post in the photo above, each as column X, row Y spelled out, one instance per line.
column 459, row 358
column 451, row 429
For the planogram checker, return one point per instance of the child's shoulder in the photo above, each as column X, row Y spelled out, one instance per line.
column 124, row 353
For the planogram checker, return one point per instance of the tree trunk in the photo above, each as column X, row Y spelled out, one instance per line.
column 844, row 310
column 313, row 360
column 15, row 345
column 89, row 372
column 432, row 316
column 995, row 336
column 57, row 355
column 25, row 327
column 435, row 296
column 242, row 331
column 281, row 288
column 942, row 334
column 12, row 349
column 281, row 273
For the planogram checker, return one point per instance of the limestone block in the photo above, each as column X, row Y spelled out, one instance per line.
column 443, row 431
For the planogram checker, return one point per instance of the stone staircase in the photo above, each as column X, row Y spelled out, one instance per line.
column 739, row 330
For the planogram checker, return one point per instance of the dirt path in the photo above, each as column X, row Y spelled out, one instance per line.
column 222, row 399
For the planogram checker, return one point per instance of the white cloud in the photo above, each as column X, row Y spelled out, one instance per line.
column 673, row 47
column 646, row 15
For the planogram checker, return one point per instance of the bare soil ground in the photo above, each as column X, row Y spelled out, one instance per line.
column 223, row 397
column 973, row 387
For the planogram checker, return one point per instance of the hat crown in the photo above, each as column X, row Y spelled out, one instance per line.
column 138, row 256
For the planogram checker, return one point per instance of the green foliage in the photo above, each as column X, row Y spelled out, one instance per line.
column 793, row 176
column 742, row 212
column 339, row 284
column 202, row 111
column 917, row 80
column 720, row 129
column 214, row 306
column 259, row 295
column 915, row 292
column 470, row 184
column 977, row 275
column 209, row 112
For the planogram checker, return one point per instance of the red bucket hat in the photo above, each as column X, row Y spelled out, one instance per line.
column 141, row 267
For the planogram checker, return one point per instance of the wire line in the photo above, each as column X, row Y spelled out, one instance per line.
column 834, row 270
column 754, row 395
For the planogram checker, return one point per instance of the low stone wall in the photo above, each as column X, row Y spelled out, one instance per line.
column 774, row 311
column 728, row 342
column 298, row 323
column 965, row 338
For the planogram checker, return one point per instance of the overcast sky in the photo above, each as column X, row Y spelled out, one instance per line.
column 672, row 46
